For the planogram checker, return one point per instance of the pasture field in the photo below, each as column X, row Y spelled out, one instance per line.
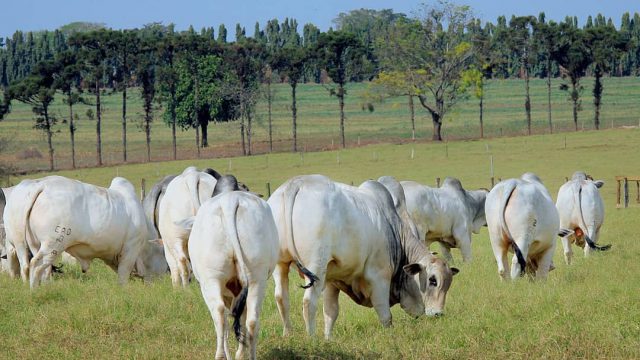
column 318, row 120
column 590, row 310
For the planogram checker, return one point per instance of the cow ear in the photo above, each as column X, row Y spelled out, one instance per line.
column 598, row 183
column 412, row 269
column 454, row 270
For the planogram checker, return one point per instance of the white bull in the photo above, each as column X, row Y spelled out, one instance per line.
column 182, row 199
column 354, row 240
column 581, row 209
column 522, row 217
column 54, row 214
column 233, row 248
column 4, row 194
column 447, row 215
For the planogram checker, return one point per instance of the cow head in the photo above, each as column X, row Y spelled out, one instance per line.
column 478, row 197
column 153, row 258
column 430, row 280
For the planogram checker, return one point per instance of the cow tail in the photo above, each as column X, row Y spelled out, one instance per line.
column 229, row 218
column 289, row 200
column 511, row 187
column 585, row 229
column 193, row 185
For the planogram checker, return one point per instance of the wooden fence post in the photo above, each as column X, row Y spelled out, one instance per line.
column 268, row 190
column 143, row 190
column 437, row 182
column 626, row 193
column 493, row 182
column 618, row 193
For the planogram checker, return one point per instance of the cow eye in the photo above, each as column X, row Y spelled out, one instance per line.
column 433, row 281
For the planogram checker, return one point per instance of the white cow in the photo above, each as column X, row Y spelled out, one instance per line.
column 182, row 199
column 54, row 214
column 354, row 240
column 233, row 248
column 522, row 217
column 4, row 194
column 581, row 209
column 447, row 215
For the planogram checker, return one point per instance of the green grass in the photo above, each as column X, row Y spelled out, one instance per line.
column 588, row 310
column 318, row 120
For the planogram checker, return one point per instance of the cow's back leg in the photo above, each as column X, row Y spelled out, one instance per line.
column 331, row 308
column 544, row 261
column 500, row 249
column 446, row 250
column 171, row 261
column 310, row 299
column 523, row 244
column 566, row 246
column 212, row 294
column 255, row 297
column 281, row 279
column 13, row 265
column 128, row 257
column 182, row 261
column 40, row 264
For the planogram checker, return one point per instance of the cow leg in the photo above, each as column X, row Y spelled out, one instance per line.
column 212, row 294
column 568, row 252
column 463, row 241
column 173, row 265
column 13, row 265
column 182, row 260
column 281, row 279
column 500, row 252
column 255, row 296
column 544, row 262
column 128, row 259
column 331, row 308
column 43, row 260
column 516, row 271
column 380, row 298
column 446, row 251
column 310, row 301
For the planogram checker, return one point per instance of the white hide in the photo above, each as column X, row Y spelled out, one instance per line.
column 182, row 199
column 234, row 242
column 581, row 209
column 54, row 214
column 355, row 241
column 447, row 215
column 522, row 211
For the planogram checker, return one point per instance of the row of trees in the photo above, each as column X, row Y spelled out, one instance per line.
column 433, row 59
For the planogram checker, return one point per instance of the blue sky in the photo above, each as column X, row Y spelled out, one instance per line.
column 49, row 14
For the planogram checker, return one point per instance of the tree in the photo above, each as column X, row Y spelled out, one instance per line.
column 574, row 57
column 435, row 57
column 520, row 42
column 290, row 62
column 146, row 75
column 340, row 54
column 123, row 47
column 93, row 51
column 605, row 43
column 546, row 38
column 485, row 61
column 68, row 80
column 167, row 79
column 394, row 83
column 38, row 90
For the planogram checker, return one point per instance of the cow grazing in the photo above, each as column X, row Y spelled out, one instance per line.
column 354, row 240
column 4, row 194
column 581, row 209
column 522, row 217
column 233, row 248
column 154, row 197
column 54, row 214
column 447, row 215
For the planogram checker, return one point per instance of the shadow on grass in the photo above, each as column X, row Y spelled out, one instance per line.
column 329, row 351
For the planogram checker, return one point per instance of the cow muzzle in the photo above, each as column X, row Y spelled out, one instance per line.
column 434, row 313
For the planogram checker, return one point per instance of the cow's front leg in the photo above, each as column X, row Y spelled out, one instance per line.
column 463, row 242
column 445, row 248
column 331, row 308
column 380, row 296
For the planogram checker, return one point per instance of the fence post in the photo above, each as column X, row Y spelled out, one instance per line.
column 143, row 190
column 437, row 182
column 626, row 193
column 618, row 193
column 493, row 182
column 268, row 190
column 638, row 191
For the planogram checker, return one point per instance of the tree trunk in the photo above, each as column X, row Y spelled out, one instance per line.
column 244, row 147
column 294, row 117
column 173, row 125
column 72, row 131
column 196, row 121
column 481, row 112
column 341, row 100
column 527, row 101
column 98, row 123
column 549, row 93
column 205, row 135
column 597, row 97
column 147, row 131
column 249, row 132
column 413, row 118
column 574, row 99
column 198, row 140
column 49, row 136
column 437, row 126
column 269, row 100
column 124, row 124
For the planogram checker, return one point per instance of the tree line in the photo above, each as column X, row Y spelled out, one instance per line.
column 192, row 78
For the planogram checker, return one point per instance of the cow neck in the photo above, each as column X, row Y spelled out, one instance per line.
column 411, row 250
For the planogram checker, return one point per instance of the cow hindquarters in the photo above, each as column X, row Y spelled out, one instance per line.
column 281, row 279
